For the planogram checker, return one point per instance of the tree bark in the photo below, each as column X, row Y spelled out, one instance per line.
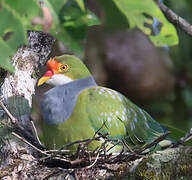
column 16, row 93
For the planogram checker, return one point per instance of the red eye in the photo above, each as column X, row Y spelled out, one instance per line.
column 64, row 67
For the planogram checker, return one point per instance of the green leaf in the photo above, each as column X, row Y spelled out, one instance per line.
column 53, row 7
column 71, row 22
column 175, row 132
column 140, row 14
column 12, row 35
column 64, row 36
column 81, row 4
column 92, row 19
column 76, row 21
column 5, row 52
column 58, row 29
column 115, row 19
column 56, row 5
column 27, row 9
column 187, row 96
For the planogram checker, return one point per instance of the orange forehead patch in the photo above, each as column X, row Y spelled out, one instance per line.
column 53, row 65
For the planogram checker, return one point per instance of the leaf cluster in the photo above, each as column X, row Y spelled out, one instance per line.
column 71, row 19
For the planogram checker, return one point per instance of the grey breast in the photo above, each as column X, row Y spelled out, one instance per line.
column 58, row 103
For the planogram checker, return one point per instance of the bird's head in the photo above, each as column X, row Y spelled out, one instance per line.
column 63, row 69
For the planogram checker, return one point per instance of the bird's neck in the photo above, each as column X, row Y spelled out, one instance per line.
column 80, row 84
column 59, row 102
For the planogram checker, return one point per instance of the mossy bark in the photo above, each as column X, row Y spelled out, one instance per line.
column 168, row 164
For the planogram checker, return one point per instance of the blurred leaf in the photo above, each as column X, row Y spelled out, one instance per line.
column 54, row 7
column 189, row 2
column 176, row 133
column 92, row 19
column 140, row 14
column 74, row 20
column 25, row 9
column 5, row 52
column 81, row 4
column 63, row 36
column 115, row 19
column 71, row 23
column 12, row 35
column 57, row 4
column 58, row 30
column 187, row 95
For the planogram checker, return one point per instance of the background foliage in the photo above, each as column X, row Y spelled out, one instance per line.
column 71, row 20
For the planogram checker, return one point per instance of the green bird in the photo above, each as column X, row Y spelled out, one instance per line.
column 76, row 108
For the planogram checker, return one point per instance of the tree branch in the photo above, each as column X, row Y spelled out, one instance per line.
column 174, row 18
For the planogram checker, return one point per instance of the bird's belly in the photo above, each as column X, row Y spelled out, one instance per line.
column 56, row 136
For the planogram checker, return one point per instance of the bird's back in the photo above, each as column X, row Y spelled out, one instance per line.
column 111, row 112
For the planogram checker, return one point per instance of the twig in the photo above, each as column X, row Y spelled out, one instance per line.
column 97, row 132
column 90, row 166
column 85, row 140
column 182, row 140
column 19, row 130
column 68, row 174
column 78, row 161
column 155, row 142
column 56, row 151
column 25, row 141
column 13, row 120
column 35, row 132
column 174, row 18
column 53, row 157
column 101, row 157
column 127, row 146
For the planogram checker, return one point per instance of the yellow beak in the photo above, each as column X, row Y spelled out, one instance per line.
column 43, row 80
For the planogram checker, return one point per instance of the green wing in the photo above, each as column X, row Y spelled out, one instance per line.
column 110, row 112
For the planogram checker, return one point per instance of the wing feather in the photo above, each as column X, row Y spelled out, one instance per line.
column 110, row 112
